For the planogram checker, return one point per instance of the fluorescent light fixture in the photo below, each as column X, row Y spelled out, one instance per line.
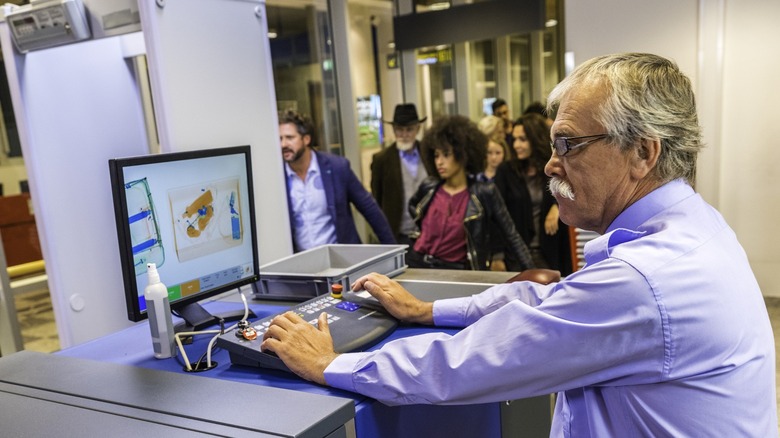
column 439, row 6
column 568, row 62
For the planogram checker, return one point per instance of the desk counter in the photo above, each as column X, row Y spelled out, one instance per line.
column 132, row 346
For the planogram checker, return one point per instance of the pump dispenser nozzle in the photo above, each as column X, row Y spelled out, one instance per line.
column 152, row 274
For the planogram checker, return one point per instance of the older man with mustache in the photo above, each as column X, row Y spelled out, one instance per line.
column 664, row 332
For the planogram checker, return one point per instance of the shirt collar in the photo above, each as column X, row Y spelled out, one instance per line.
column 651, row 204
column 314, row 167
column 410, row 153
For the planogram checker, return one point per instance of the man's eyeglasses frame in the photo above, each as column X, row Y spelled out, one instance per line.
column 562, row 145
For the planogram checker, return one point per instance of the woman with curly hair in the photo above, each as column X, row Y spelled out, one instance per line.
column 523, row 186
column 454, row 212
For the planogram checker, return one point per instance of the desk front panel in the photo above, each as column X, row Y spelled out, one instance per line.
column 133, row 346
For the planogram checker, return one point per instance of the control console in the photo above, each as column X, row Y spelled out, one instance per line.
column 354, row 327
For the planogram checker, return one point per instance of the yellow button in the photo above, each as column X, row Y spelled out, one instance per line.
column 335, row 290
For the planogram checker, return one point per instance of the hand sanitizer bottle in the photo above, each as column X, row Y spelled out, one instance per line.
column 160, row 320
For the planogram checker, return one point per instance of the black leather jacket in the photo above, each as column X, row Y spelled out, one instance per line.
column 484, row 210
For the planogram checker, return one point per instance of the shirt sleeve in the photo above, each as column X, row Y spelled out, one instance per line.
column 520, row 340
column 368, row 207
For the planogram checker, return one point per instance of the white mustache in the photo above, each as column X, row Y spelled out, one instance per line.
column 562, row 188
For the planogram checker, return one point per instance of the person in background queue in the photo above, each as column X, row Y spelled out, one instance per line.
column 398, row 170
column 538, row 108
column 523, row 185
column 456, row 213
column 497, row 149
column 320, row 189
column 501, row 110
column 497, row 153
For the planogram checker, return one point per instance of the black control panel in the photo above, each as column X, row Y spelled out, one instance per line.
column 353, row 327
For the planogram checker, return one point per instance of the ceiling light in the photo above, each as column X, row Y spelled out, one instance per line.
column 439, row 6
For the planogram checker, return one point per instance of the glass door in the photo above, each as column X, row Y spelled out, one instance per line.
column 435, row 71
column 303, row 66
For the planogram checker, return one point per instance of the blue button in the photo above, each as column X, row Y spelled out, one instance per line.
column 349, row 307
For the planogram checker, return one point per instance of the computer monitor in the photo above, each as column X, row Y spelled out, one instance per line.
column 487, row 105
column 192, row 214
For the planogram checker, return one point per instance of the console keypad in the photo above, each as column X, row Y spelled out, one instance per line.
column 306, row 311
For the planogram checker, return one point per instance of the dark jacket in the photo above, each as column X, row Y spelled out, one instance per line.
column 387, row 184
column 342, row 187
column 514, row 190
column 485, row 208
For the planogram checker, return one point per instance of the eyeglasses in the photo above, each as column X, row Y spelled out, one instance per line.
column 562, row 145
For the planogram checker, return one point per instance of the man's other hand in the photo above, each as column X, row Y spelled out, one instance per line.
column 395, row 299
column 305, row 349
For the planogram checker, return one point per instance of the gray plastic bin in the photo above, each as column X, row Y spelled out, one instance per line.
column 312, row 272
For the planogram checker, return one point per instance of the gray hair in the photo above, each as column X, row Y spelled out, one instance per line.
column 490, row 124
column 648, row 97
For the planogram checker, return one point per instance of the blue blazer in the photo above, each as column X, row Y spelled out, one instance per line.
column 342, row 187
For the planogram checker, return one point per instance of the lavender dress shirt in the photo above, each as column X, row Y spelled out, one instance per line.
column 663, row 333
column 312, row 221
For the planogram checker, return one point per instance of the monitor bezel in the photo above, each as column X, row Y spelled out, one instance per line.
column 116, row 169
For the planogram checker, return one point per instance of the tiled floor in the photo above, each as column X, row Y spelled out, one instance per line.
column 773, row 306
column 39, row 332
column 36, row 320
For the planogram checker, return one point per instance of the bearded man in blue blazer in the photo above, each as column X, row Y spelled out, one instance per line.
column 320, row 189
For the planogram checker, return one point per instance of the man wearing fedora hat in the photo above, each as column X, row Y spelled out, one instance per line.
column 398, row 170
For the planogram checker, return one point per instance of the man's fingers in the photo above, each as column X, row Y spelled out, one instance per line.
column 286, row 320
column 281, row 324
column 371, row 287
column 322, row 323
column 360, row 283
column 292, row 317
column 269, row 344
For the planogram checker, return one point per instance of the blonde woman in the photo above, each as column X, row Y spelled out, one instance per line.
column 497, row 149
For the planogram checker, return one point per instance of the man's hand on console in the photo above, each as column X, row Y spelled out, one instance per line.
column 395, row 299
column 305, row 349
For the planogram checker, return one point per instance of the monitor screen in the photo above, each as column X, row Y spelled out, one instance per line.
column 487, row 105
column 192, row 214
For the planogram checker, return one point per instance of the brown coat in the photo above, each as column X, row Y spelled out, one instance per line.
column 387, row 184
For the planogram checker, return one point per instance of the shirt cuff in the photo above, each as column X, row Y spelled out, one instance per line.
column 450, row 312
column 339, row 373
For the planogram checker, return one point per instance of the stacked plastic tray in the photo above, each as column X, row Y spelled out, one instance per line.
column 313, row 272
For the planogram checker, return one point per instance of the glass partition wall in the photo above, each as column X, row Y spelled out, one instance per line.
column 303, row 66
column 435, row 71
column 519, row 68
column 449, row 78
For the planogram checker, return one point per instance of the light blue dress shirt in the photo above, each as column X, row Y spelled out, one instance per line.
column 313, row 224
column 663, row 333
column 410, row 160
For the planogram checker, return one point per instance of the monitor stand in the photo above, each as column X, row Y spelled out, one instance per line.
column 197, row 318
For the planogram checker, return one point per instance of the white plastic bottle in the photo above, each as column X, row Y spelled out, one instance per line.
column 160, row 320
